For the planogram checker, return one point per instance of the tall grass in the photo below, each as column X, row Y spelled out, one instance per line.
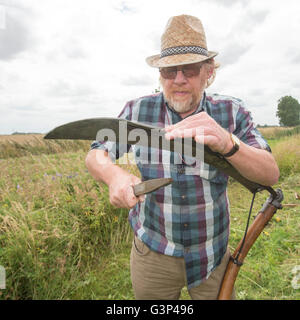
column 279, row 132
column 285, row 145
column 26, row 145
column 61, row 239
column 287, row 154
column 55, row 225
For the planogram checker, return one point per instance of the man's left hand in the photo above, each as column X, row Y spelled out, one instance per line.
column 204, row 129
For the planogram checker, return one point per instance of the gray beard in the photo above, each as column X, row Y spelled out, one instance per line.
column 181, row 107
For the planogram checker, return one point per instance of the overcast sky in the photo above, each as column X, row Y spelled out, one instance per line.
column 65, row 60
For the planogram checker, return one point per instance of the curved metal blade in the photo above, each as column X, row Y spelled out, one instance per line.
column 88, row 129
column 82, row 129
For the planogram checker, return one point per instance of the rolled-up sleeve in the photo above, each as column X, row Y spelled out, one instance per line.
column 115, row 149
column 246, row 131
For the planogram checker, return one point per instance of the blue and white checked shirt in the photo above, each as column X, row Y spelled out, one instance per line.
column 190, row 217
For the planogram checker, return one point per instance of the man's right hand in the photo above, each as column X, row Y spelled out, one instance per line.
column 121, row 192
column 119, row 181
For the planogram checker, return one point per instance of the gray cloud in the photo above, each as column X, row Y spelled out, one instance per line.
column 238, row 42
column 225, row 3
column 62, row 88
column 229, row 3
column 154, row 39
column 256, row 93
column 74, row 49
column 140, row 80
column 249, row 21
column 294, row 58
column 125, row 8
column 258, row 17
column 15, row 37
column 231, row 53
column 26, row 107
column 21, row 106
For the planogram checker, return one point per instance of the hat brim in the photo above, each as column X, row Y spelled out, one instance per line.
column 179, row 59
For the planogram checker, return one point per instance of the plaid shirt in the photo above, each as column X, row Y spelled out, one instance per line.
column 190, row 217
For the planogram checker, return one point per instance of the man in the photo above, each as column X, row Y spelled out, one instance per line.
column 181, row 231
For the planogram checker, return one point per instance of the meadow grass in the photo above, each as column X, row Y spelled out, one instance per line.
column 15, row 146
column 61, row 239
column 55, row 224
column 287, row 154
column 271, row 133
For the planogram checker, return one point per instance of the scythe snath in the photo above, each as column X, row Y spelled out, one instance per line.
column 236, row 260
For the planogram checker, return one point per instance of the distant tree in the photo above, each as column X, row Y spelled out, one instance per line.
column 288, row 111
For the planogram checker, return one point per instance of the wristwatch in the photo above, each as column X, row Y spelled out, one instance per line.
column 236, row 145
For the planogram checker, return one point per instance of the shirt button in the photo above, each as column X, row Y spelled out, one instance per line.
column 187, row 250
column 183, row 197
column 185, row 225
column 180, row 169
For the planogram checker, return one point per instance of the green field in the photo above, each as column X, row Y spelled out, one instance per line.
column 61, row 239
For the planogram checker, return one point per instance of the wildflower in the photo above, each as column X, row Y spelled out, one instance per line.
column 58, row 174
column 277, row 219
column 266, row 233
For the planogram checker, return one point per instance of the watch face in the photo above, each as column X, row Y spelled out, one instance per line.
column 236, row 146
column 236, row 140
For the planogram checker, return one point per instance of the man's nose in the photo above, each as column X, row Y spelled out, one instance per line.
column 180, row 77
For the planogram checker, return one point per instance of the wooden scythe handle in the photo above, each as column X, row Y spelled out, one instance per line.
column 255, row 229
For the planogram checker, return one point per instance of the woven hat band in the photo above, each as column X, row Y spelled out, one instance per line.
column 182, row 50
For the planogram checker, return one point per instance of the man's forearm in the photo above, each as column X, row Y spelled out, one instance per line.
column 101, row 167
column 255, row 164
column 119, row 181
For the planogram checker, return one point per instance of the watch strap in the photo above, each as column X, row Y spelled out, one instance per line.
column 234, row 149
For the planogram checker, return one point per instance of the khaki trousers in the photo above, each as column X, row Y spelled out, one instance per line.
column 156, row 276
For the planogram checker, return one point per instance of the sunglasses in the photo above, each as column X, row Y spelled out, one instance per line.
column 189, row 71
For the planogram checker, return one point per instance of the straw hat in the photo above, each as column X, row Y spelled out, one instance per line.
column 183, row 42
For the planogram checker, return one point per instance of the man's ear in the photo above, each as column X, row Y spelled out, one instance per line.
column 210, row 70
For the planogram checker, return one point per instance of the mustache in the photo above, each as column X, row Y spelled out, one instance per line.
column 178, row 90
